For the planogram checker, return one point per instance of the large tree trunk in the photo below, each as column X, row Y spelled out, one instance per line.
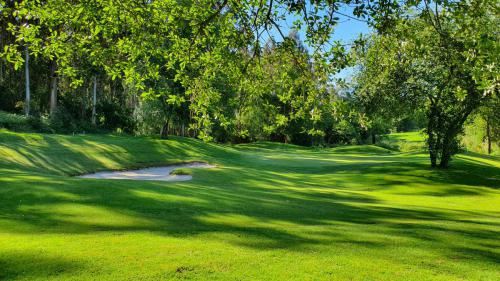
column 94, row 99
column 27, row 80
column 432, row 149
column 454, row 129
column 53, row 88
column 432, row 142
column 448, row 141
column 432, row 138
column 446, row 152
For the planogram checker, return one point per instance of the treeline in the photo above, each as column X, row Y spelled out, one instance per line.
column 278, row 98
column 159, row 67
column 225, row 71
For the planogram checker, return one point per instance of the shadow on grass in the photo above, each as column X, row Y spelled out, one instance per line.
column 62, row 205
column 29, row 266
column 66, row 155
column 264, row 204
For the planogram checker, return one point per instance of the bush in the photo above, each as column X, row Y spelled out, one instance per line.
column 61, row 122
column 182, row 172
column 9, row 120
column 17, row 122
column 113, row 117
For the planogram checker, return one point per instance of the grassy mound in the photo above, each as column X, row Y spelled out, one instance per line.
column 346, row 213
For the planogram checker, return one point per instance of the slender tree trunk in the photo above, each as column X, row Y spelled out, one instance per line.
column 27, row 80
column 164, row 130
column 1, row 68
column 1, row 60
column 374, row 138
column 82, row 105
column 488, row 134
column 94, row 99
column 53, row 88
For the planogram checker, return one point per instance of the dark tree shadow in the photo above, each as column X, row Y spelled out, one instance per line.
column 320, row 194
column 30, row 267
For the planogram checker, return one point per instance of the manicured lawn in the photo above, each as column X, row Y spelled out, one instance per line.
column 405, row 142
column 408, row 136
column 267, row 212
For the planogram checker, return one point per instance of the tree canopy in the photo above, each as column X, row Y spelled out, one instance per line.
column 442, row 59
column 228, row 70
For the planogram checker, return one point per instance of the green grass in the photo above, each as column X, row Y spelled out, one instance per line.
column 182, row 171
column 404, row 142
column 474, row 137
column 266, row 212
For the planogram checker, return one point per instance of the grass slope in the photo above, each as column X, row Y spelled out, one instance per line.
column 405, row 142
column 267, row 212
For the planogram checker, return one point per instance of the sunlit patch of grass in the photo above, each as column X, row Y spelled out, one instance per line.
column 87, row 215
column 267, row 212
column 404, row 142
column 478, row 158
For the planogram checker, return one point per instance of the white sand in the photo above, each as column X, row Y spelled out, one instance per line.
column 150, row 174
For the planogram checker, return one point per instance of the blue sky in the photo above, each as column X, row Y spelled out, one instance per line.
column 346, row 31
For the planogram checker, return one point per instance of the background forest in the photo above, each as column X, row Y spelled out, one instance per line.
column 229, row 73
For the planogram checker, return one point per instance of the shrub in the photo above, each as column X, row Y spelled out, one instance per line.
column 181, row 172
column 113, row 116
column 17, row 122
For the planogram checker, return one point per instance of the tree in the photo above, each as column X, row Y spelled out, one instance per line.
column 491, row 115
column 444, row 59
column 202, row 60
column 27, row 80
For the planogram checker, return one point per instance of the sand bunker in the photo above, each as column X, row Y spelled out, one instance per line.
column 150, row 174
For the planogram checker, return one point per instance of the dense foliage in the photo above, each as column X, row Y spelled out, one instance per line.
column 228, row 71
column 442, row 61
column 200, row 69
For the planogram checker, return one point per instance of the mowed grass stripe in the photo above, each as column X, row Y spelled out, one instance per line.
column 266, row 212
